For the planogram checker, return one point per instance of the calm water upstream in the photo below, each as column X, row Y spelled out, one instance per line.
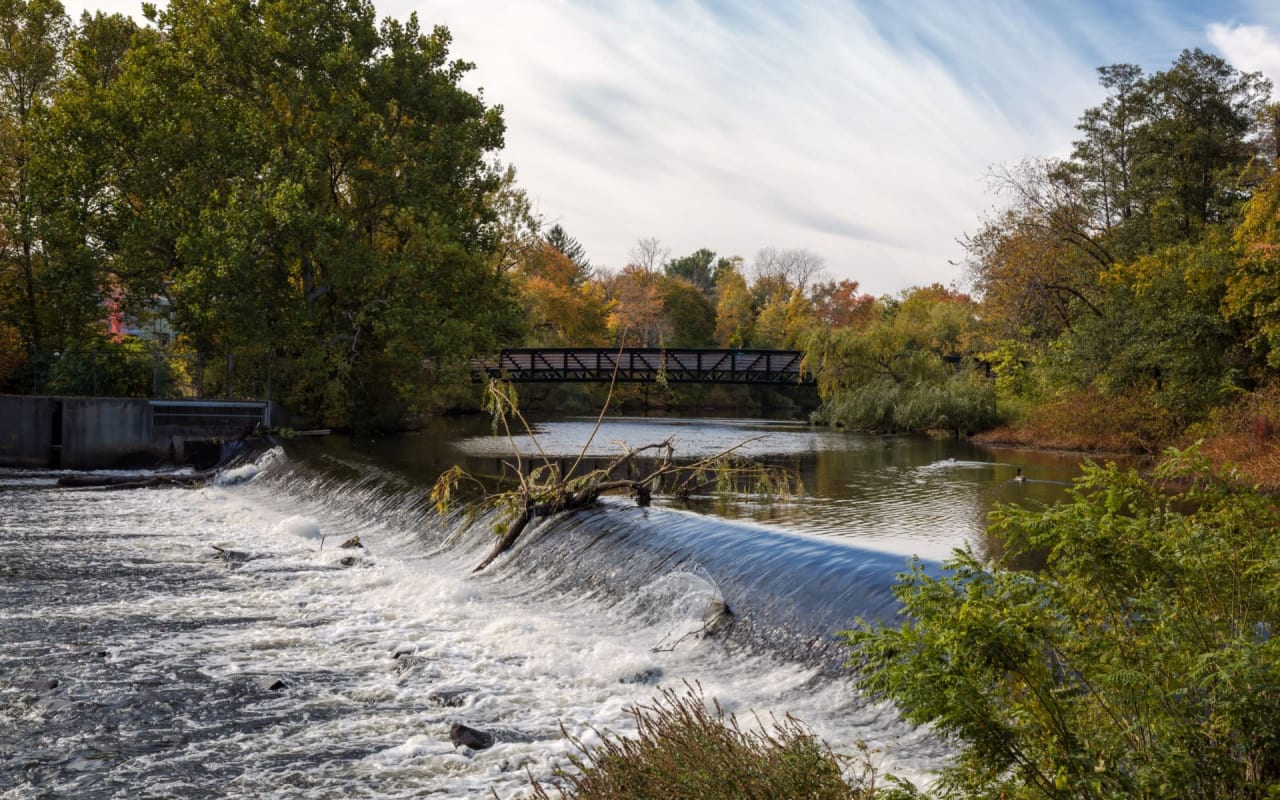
column 135, row 663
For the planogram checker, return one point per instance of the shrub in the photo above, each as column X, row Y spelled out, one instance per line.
column 685, row 751
column 1140, row 662
column 106, row 368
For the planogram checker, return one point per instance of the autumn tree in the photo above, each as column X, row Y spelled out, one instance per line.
column 909, row 370
column 1252, row 297
column 572, row 250
column 559, row 308
column 837, row 304
column 637, row 318
column 734, row 314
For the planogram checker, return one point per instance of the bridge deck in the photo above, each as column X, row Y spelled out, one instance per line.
column 643, row 365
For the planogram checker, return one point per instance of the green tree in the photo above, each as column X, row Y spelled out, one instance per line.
column 1164, row 334
column 1253, row 288
column 572, row 250
column 910, row 370
column 691, row 316
column 33, row 36
column 1198, row 137
column 1140, row 662
column 696, row 268
column 314, row 189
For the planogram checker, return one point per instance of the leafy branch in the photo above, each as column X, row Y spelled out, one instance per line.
column 547, row 490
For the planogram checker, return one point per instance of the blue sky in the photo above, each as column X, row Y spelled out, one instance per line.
column 863, row 131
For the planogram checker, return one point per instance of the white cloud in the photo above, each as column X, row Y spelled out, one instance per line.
column 862, row 131
column 1252, row 48
column 805, row 127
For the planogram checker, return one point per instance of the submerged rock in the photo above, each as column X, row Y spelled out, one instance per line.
column 232, row 557
column 271, row 683
column 450, row 698
column 39, row 686
column 646, row 676
column 404, row 649
column 474, row 738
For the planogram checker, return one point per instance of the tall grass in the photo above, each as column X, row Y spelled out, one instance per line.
column 686, row 751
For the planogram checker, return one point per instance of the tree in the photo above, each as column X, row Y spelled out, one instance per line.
column 1037, row 264
column 312, row 188
column 784, row 322
column 33, row 36
column 1105, row 159
column 572, row 250
column 1164, row 336
column 696, row 268
column 734, row 314
column 690, row 314
column 637, row 318
column 649, row 255
column 910, row 370
column 559, row 310
column 786, row 269
column 838, row 304
column 1139, row 662
column 1253, row 288
column 1198, row 137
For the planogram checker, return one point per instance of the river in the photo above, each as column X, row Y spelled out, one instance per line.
column 139, row 661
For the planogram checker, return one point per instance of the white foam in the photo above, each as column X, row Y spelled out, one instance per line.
column 516, row 662
column 299, row 527
column 240, row 474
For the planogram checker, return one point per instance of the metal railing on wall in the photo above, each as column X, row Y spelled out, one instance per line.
column 150, row 373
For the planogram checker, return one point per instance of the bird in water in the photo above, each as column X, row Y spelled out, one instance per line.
column 1019, row 478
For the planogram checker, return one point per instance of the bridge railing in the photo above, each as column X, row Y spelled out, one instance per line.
column 632, row 365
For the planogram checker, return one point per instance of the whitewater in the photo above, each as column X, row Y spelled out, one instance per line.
column 140, row 661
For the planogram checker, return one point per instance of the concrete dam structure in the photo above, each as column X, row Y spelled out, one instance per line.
column 105, row 432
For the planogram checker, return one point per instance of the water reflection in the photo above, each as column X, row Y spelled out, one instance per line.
column 899, row 494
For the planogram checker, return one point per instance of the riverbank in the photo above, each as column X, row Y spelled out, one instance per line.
column 1244, row 434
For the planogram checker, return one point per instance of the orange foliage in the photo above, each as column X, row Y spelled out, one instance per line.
column 638, row 317
column 838, row 305
column 1089, row 420
column 558, row 309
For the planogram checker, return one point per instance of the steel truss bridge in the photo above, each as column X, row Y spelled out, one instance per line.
column 643, row 365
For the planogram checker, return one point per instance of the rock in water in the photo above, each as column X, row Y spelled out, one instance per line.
column 461, row 734
column 271, row 684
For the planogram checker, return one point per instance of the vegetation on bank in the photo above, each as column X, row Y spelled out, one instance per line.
column 684, row 750
column 1140, row 661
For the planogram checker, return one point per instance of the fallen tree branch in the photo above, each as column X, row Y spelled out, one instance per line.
column 546, row 491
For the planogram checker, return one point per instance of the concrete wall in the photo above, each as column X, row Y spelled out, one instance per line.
column 98, row 432
column 104, row 432
column 26, row 431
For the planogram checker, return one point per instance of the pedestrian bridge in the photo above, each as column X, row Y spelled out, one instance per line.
column 643, row 365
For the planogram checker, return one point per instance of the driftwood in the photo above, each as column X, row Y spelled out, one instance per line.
column 546, row 490
column 192, row 481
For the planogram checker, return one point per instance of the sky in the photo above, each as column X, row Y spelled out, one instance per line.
column 862, row 130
